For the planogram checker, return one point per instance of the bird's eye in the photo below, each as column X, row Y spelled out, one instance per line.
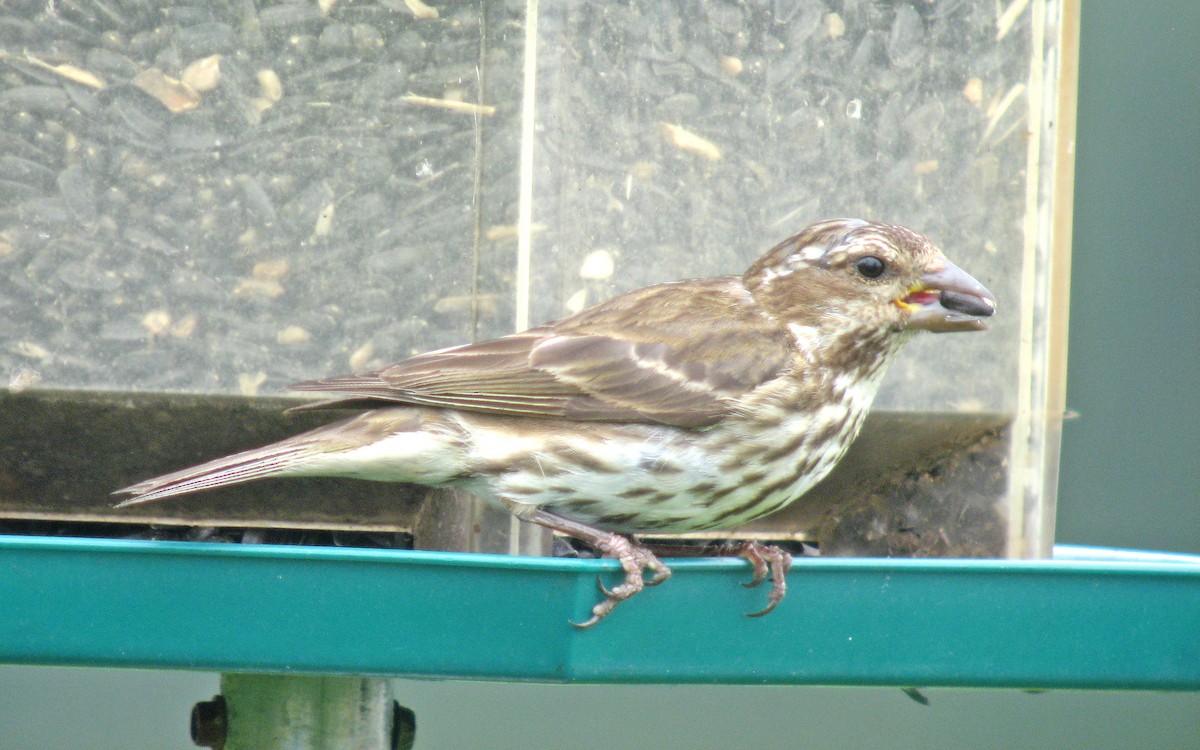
column 870, row 267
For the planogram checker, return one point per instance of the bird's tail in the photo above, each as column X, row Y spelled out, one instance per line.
column 277, row 459
column 290, row 457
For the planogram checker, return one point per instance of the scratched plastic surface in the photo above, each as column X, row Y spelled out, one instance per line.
column 226, row 198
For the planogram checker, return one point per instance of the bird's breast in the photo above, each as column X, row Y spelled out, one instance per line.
column 661, row 479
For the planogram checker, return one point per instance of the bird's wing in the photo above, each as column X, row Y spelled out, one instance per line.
column 675, row 354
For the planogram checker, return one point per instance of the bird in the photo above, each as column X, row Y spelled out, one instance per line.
column 684, row 406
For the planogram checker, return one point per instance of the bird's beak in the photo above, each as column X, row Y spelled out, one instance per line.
column 947, row 298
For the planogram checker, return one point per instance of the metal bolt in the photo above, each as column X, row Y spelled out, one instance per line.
column 404, row 727
column 210, row 723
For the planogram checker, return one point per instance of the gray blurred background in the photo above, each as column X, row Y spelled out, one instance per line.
column 1130, row 478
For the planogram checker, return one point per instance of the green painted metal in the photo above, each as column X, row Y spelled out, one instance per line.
column 261, row 608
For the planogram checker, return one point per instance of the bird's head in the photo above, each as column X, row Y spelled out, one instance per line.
column 869, row 274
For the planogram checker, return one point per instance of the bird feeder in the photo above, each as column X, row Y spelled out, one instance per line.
column 203, row 205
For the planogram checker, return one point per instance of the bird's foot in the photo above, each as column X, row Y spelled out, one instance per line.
column 635, row 560
column 764, row 559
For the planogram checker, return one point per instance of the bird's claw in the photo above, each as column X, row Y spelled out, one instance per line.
column 771, row 604
column 608, row 594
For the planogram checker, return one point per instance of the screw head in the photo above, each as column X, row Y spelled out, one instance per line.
column 404, row 727
column 210, row 723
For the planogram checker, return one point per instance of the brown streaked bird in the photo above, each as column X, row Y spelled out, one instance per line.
column 685, row 406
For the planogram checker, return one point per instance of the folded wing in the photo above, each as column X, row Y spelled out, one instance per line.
column 674, row 354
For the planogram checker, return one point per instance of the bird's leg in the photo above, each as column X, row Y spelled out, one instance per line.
column 634, row 558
